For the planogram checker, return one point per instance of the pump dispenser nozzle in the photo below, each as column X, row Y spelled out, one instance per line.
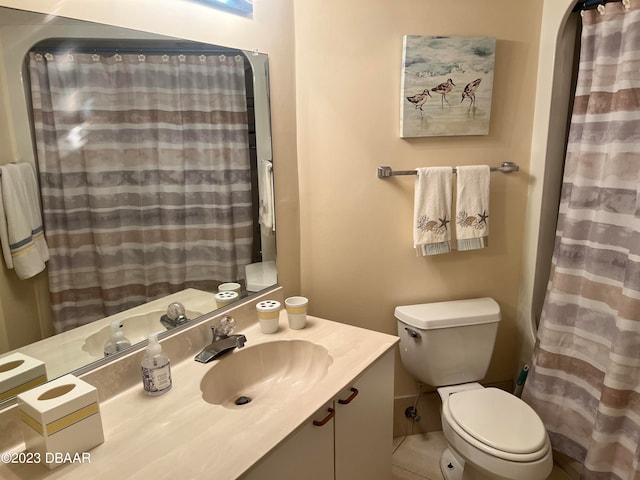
column 154, row 348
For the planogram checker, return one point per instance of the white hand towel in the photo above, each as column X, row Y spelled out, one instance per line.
column 21, row 231
column 432, row 211
column 267, row 201
column 472, row 206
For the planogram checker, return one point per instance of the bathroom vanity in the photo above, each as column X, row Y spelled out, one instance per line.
column 317, row 396
column 346, row 439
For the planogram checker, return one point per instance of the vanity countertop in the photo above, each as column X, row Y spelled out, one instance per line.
column 179, row 434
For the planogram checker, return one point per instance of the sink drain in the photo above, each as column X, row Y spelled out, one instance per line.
column 242, row 400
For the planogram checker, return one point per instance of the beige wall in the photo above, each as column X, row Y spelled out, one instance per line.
column 5, row 155
column 5, row 126
column 25, row 316
column 24, row 312
column 357, row 260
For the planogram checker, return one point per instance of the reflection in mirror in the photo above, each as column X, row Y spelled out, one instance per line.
column 144, row 165
column 154, row 163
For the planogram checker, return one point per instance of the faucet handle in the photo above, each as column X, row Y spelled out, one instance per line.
column 224, row 328
column 175, row 310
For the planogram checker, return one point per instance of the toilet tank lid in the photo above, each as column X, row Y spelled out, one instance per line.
column 454, row 313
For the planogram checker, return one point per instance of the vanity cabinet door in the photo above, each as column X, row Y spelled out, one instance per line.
column 306, row 454
column 350, row 438
column 364, row 424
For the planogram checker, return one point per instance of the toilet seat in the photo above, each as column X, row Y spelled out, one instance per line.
column 497, row 423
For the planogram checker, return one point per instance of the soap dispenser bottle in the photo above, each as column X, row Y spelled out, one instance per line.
column 117, row 341
column 156, row 370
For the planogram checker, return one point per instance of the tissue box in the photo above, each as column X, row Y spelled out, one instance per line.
column 19, row 373
column 61, row 419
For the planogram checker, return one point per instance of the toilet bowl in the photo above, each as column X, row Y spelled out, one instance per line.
column 491, row 434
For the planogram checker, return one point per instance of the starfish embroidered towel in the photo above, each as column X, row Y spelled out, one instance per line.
column 21, row 232
column 472, row 207
column 432, row 211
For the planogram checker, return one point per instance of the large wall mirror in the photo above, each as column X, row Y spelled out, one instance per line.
column 48, row 328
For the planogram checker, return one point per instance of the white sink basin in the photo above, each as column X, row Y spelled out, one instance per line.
column 264, row 373
column 136, row 328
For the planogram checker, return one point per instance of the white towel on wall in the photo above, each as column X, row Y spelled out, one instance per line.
column 432, row 211
column 21, row 231
column 472, row 207
column 267, row 200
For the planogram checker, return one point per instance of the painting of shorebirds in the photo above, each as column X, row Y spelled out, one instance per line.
column 446, row 85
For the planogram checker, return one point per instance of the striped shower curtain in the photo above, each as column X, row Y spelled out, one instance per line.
column 145, row 178
column 585, row 378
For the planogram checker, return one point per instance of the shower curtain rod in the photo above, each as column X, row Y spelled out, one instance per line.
column 591, row 4
column 135, row 50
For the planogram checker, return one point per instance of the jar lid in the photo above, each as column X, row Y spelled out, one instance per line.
column 268, row 306
column 226, row 295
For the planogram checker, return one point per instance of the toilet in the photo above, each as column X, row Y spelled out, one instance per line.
column 491, row 434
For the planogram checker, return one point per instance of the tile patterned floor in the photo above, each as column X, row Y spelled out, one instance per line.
column 417, row 457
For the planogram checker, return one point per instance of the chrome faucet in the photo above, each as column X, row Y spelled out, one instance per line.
column 222, row 340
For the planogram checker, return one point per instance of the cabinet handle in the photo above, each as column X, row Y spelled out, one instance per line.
column 320, row 423
column 347, row 401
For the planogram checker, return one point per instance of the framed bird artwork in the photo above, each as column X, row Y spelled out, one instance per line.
column 447, row 84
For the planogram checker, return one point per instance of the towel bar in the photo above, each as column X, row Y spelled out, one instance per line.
column 505, row 167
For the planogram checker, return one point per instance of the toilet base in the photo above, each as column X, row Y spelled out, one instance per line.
column 451, row 466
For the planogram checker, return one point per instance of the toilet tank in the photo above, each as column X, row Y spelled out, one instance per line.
column 448, row 343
